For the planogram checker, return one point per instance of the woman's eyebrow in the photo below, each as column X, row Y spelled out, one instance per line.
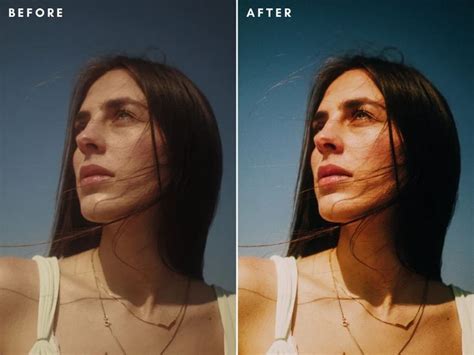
column 349, row 105
column 112, row 104
column 122, row 101
column 360, row 101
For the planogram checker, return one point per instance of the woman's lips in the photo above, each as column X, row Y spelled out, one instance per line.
column 331, row 174
column 331, row 179
column 89, row 180
column 93, row 174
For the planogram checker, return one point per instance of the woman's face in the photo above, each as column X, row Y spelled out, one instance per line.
column 352, row 165
column 113, row 161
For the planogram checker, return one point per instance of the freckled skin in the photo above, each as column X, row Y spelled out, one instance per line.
column 356, row 142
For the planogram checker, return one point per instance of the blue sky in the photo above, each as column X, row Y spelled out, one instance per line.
column 40, row 58
column 279, row 56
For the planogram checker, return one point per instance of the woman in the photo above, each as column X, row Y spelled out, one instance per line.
column 139, row 187
column 376, row 191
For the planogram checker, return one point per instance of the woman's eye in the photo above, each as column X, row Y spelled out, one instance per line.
column 124, row 115
column 361, row 115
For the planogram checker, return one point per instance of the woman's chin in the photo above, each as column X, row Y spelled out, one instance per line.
column 335, row 218
column 339, row 212
column 100, row 218
column 102, row 214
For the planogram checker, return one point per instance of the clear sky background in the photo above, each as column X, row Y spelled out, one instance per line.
column 38, row 62
column 277, row 59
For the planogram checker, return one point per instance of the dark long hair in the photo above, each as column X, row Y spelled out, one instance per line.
column 194, row 159
column 425, row 203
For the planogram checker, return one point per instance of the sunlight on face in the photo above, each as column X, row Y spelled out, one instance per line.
column 352, row 164
column 113, row 162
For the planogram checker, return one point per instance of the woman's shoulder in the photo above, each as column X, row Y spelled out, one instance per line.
column 257, row 303
column 257, row 277
column 19, row 279
column 19, row 293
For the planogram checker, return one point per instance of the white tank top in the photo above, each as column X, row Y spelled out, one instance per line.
column 46, row 343
column 287, row 278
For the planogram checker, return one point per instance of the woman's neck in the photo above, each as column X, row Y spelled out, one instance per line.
column 368, row 265
column 128, row 259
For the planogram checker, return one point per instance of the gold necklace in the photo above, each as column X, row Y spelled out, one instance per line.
column 345, row 322
column 168, row 326
column 108, row 324
column 393, row 324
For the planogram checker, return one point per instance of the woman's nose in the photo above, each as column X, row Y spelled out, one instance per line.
column 91, row 139
column 328, row 139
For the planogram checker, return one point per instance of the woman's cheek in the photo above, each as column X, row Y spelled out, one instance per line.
column 376, row 153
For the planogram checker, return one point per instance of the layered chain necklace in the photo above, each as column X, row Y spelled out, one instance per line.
column 345, row 322
column 168, row 326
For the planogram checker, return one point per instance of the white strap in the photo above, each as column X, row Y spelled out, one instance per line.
column 465, row 307
column 287, row 278
column 226, row 303
column 48, row 269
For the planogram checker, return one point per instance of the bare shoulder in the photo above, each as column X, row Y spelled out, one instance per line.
column 257, row 284
column 19, row 288
column 257, row 304
column 19, row 281
column 257, row 276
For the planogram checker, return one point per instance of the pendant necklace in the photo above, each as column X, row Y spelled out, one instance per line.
column 345, row 322
column 393, row 324
column 176, row 321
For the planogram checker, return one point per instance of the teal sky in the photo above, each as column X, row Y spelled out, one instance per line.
column 277, row 59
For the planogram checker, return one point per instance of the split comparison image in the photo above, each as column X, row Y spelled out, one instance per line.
column 236, row 177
